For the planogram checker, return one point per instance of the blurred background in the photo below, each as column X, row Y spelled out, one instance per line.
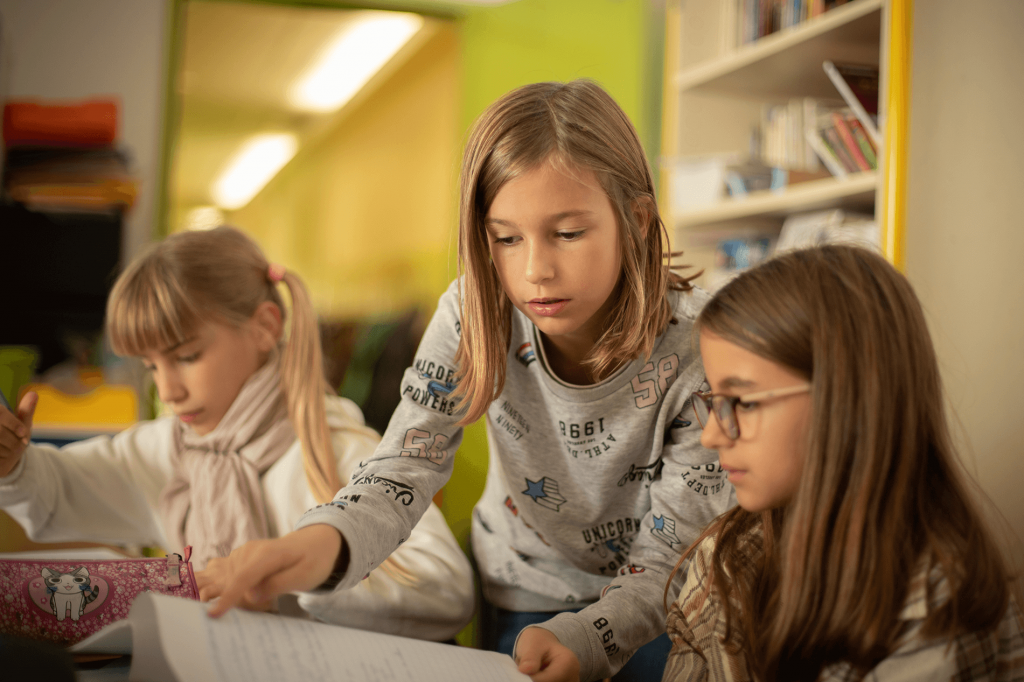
column 331, row 132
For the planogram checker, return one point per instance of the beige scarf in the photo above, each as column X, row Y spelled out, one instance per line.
column 214, row 501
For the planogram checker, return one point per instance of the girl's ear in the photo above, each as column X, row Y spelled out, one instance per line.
column 267, row 324
column 644, row 212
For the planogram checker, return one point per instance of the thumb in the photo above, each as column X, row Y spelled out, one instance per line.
column 529, row 662
column 27, row 408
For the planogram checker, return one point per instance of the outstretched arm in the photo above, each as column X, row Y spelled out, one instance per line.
column 253, row 575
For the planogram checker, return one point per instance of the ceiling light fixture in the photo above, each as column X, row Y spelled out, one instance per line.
column 203, row 218
column 356, row 54
column 252, row 167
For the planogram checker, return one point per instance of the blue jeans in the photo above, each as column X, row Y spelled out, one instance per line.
column 499, row 629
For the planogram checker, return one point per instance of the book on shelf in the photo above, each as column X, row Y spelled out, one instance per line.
column 848, row 141
column 703, row 181
column 755, row 19
column 833, row 226
column 800, row 133
column 858, row 86
column 780, row 137
column 866, row 147
column 839, row 140
column 173, row 640
column 736, row 253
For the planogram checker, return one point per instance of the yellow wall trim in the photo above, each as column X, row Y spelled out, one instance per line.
column 897, row 125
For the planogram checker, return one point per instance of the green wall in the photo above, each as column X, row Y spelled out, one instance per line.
column 618, row 43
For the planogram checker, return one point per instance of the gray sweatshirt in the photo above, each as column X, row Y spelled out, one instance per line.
column 592, row 491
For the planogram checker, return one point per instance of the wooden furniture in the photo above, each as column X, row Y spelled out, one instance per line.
column 715, row 90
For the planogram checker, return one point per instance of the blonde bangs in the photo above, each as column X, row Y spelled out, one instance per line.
column 149, row 310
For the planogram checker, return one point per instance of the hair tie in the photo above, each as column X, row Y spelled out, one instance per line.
column 275, row 272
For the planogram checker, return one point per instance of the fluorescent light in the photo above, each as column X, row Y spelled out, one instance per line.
column 252, row 167
column 356, row 54
column 203, row 218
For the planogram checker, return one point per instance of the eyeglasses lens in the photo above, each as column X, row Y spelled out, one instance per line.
column 726, row 416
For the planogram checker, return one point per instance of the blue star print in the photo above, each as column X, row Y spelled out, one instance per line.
column 659, row 522
column 535, row 489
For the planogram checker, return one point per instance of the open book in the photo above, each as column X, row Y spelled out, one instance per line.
column 172, row 640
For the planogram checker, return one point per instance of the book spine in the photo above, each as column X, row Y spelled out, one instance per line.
column 839, row 121
column 810, row 115
column 851, row 100
column 836, row 144
column 862, row 140
column 828, row 158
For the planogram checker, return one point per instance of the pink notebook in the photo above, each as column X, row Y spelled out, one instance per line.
column 66, row 601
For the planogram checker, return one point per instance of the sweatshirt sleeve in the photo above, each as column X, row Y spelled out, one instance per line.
column 423, row 590
column 102, row 490
column 390, row 491
column 691, row 491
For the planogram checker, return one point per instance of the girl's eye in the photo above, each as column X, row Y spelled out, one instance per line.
column 570, row 236
column 149, row 368
column 747, row 407
column 506, row 241
column 189, row 358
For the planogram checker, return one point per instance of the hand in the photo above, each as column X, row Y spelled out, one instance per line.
column 540, row 655
column 15, row 430
column 258, row 571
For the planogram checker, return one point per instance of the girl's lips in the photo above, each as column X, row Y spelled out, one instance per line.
column 733, row 474
column 189, row 416
column 547, row 307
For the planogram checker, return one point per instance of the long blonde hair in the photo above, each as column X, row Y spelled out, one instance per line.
column 579, row 126
column 882, row 490
column 189, row 278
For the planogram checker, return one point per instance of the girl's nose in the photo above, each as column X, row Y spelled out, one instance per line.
column 169, row 387
column 713, row 437
column 539, row 264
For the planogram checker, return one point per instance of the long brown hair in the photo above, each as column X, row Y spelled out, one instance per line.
column 578, row 126
column 192, row 277
column 882, row 492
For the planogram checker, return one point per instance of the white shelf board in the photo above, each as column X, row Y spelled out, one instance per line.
column 856, row 191
column 788, row 63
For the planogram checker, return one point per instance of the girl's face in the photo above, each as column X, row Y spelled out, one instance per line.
column 766, row 461
column 200, row 378
column 554, row 240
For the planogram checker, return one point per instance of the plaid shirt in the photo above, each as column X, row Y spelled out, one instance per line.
column 698, row 654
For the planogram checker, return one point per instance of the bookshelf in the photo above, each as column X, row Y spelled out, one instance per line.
column 716, row 89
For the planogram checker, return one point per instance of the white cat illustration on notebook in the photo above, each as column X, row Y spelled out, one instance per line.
column 69, row 590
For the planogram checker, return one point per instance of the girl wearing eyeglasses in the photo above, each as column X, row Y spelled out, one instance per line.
column 856, row 551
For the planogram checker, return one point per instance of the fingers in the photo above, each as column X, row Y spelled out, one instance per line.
column 9, row 441
column 246, row 568
column 562, row 666
column 257, row 572
column 9, row 423
column 14, row 435
column 540, row 655
column 208, row 582
column 27, row 410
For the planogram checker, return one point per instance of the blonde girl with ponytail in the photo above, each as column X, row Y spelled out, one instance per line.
column 256, row 437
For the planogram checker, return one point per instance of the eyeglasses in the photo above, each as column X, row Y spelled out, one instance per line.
column 724, row 406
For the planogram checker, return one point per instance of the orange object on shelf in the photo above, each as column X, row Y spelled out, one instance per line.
column 107, row 408
column 88, row 123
